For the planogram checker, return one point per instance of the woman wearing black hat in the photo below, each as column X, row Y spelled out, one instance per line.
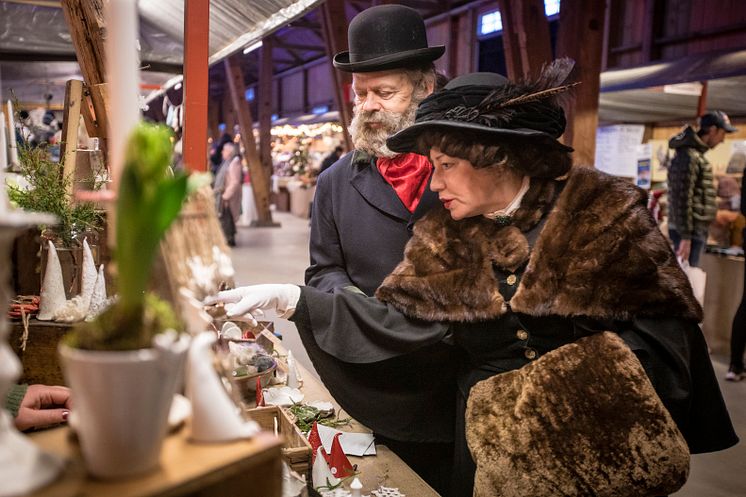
column 548, row 279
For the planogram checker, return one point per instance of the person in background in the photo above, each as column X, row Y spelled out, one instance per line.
column 177, row 159
column 738, row 331
column 364, row 208
column 728, row 219
column 691, row 193
column 38, row 406
column 248, row 205
column 227, row 189
column 216, row 156
column 331, row 158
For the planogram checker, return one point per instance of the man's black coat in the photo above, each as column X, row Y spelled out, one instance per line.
column 359, row 226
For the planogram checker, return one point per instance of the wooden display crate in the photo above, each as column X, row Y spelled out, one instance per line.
column 296, row 450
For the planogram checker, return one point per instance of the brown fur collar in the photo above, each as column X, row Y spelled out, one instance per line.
column 600, row 254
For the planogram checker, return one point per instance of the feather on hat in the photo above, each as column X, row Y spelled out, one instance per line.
column 490, row 105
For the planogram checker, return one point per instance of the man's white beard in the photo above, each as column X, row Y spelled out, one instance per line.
column 373, row 140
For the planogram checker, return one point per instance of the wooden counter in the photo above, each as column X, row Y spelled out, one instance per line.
column 249, row 468
column 385, row 468
column 200, row 470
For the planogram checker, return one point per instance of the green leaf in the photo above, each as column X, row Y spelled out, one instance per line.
column 149, row 200
column 168, row 202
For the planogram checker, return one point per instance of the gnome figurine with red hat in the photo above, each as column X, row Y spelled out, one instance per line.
column 338, row 462
column 315, row 440
column 321, row 475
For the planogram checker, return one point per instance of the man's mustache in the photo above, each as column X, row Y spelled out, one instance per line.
column 375, row 117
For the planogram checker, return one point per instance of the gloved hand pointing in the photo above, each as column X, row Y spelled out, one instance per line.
column 250, row 301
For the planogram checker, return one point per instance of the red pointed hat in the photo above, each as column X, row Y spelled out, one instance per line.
column 315, row 440
column 259, row 393
column 339, row 464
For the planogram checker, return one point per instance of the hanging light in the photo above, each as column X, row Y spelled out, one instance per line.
column 252, row 47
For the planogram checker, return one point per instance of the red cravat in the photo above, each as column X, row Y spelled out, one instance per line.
column 407, row 174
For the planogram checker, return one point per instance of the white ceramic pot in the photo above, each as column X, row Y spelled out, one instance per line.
column 121, row 402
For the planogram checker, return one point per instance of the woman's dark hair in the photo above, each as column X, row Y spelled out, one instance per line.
column 521, row 154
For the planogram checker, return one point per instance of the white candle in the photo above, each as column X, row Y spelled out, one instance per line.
column 12, row 144
column 123, row 79
column 292, row 380
column 356, row 488
column 3, row 146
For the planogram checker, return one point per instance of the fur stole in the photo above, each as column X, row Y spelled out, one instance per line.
column 600, row 254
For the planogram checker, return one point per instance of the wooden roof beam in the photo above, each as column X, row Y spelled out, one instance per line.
column 85, row 20
column 334, row 22
column 525, row 37
column 294, row 46
column 305, row 24
column 259, row 178
column 580, row 37
column 196, row 93
column 293, row 53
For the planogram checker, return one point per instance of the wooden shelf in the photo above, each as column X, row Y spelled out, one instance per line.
column 249, row 468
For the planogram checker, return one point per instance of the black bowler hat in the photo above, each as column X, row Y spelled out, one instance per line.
column 489, row 106
column 386, row 37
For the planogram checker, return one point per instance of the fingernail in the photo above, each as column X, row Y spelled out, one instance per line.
column 65, row 415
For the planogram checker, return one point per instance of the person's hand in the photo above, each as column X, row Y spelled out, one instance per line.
column 43, row 406
column 685, row 247
column 252, row 301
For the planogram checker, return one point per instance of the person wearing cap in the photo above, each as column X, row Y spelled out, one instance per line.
column 525, row 266
column 691, row 191
column 367, row 202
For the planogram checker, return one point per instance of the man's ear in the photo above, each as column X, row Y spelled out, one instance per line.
column 430, row 86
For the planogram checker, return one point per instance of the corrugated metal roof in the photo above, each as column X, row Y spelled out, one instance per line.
column 28, row 28
column 33, row 31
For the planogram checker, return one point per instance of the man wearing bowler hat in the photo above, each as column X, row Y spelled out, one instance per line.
column 363, row 212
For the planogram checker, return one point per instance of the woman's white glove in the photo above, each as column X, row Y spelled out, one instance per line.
column 251, row 301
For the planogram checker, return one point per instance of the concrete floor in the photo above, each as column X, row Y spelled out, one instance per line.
column 280, row 255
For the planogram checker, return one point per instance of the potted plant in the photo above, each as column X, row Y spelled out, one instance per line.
column 47, row 189
column 124, row 367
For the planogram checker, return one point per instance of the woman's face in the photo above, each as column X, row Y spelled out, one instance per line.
column 467, row 191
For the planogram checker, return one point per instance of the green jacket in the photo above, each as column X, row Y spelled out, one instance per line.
column 691, row 190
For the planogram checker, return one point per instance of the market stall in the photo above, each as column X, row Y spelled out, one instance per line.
column 299, row 147
column 140, row 327
column 196, row 469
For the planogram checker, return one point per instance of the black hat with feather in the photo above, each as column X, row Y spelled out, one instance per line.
column 491, row 106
